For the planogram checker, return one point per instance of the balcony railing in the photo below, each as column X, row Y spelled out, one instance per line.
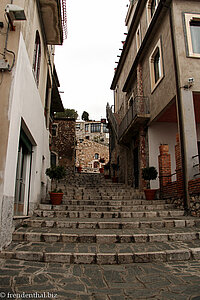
column 137, row 114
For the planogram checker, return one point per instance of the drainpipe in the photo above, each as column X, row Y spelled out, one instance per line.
column 48, row 107
column 186, row 198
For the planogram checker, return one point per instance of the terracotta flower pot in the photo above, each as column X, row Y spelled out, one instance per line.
column 56, row 198
column 115, row 179
column 150, row 194
column 79, row 169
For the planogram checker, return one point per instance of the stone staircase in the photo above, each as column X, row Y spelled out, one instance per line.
column 105, row 223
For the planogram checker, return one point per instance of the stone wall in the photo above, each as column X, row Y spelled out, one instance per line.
column 63, row 142
column 85, row 155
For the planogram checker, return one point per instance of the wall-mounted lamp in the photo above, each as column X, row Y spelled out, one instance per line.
column 189, row 83
column 14, row 13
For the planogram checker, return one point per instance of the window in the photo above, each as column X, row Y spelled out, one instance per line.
column 195, row 34
column 37, row 58
column 95, row 127
column 86, row 127
column 151, row 8
column 156, row 66
column 54, row 129
column 54, row 159
column 96, row 156
column 192, row 24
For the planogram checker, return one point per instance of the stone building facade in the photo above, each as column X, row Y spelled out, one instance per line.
column 63, row 143
column 93, row 130
column 157, row 92
column 91, row 156
column 92, row 145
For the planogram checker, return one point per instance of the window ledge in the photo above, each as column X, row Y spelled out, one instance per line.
column 153, row 88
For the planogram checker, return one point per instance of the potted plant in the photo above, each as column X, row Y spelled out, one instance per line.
column 102, row 160
column 56, row 173
column 79, row 169
column 149, row 173
column 115, row 167
column 101, row 170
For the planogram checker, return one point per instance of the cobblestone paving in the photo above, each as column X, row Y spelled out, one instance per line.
column 37, row 280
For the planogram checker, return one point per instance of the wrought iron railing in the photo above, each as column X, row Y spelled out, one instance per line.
column 139, row 107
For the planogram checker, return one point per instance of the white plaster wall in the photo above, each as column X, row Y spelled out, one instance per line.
column 161, row 133
column 26, row 104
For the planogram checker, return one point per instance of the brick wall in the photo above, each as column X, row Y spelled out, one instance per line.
column 174, row 189
column 63, row 144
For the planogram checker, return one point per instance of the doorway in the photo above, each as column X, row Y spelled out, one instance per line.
column 136, row 167
column 23, row 175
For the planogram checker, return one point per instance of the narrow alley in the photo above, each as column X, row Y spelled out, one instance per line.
column 100, row 149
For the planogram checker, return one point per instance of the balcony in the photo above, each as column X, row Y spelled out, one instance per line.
column 137, row 115
column 51, row 13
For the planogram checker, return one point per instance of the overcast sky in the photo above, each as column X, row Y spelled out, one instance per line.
column 85, row 63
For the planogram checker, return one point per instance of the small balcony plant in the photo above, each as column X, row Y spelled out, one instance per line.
column 56, row 173
column 79, row 168
column 148, row 174
column 102, row 160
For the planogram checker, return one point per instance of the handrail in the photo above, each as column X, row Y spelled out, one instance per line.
column 165, row 176
column 194, row 156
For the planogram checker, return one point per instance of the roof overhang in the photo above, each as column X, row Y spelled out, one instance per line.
column 56, row 102
column 128, row 42
column 50, row 11
column 140, row 6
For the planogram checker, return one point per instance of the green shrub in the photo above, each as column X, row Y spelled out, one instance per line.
column 149, row 173
column 56, row 172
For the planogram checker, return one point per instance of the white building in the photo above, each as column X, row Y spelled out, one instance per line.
column 28, row 84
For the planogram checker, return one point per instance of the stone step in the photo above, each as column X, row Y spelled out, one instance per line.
column 113, row 202
column 106, row 214
column 122, row 223
column 105, row 197
column 139, row 235
column 103, row 253
column 101, row 208
column 102, row 193
column 88, row 197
